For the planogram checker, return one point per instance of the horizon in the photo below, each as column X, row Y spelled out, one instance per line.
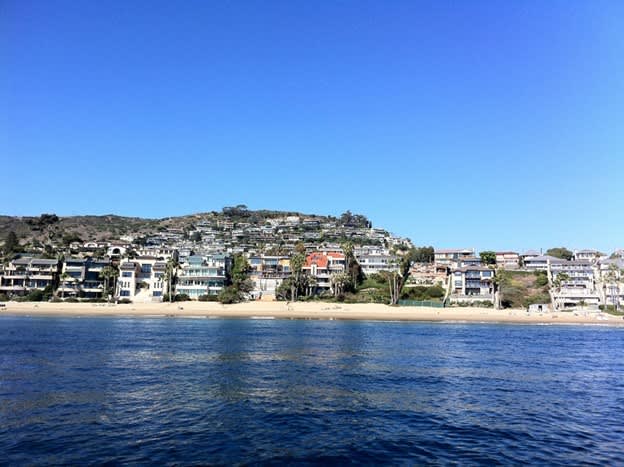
column 480, row 125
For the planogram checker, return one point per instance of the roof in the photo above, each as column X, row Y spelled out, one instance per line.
column 545, row 258
column 506, row 253
column 47, row 262
column 451, row 250
column 531, row 253
column 320, row 259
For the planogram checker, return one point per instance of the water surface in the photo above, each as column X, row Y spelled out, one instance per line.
column 197, row 391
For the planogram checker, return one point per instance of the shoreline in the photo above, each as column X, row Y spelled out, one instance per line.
column 308, row 310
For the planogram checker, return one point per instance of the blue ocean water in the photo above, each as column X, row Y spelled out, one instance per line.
column 217, row 391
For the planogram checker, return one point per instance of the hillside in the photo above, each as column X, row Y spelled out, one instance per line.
column 520, row 289
column 54, row 231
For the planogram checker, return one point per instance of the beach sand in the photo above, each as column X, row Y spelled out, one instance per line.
column 309, row 310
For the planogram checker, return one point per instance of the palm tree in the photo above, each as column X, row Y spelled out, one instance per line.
column 170, row 271
column 107, row 273
column 64, row 278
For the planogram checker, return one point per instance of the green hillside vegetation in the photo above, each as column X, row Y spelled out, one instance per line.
column 519, row 289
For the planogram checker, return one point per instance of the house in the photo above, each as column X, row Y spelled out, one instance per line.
column 267, row 273
column 322, row 266
column 540, row 263
column 587, row 255
column 465, row 261
column 427, row 274
column 507, row 259
column 142, row 279
column 611, row 276
column 472, row 283
column 202, row 275
column 529, row 254
column 572, row 284
column 451, row 257
column 81, row 277
column 26, row 274
column 373, row 259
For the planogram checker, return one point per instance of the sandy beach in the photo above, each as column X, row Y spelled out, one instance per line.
column 309, row 310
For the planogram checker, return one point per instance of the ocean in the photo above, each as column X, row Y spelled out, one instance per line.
column 243, row 391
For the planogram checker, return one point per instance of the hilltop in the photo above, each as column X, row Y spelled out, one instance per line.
column 232, row 227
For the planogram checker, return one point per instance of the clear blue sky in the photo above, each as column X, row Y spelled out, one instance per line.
column 459, row 124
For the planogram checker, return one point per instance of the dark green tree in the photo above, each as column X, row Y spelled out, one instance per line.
column 560, row 252
column 11, row 243
column 488, row 257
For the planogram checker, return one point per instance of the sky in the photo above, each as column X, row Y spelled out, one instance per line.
column 488, row 125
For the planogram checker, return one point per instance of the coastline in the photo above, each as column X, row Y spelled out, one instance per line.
column 308, row 310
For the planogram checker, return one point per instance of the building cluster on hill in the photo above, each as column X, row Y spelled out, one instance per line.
column 198, row 263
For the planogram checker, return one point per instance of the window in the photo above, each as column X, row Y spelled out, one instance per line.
column 126, row 274
column 146, row 268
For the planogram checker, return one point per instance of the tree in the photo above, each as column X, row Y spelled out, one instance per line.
column 11, row 243
column 339, row 283
column 424, row 254
column 611, row 284
column 170, row 272
column 107, row 273
column 239, row 283
column 396, row 279
column 64, row 278
column 352, row 267
column 488, row 257
column 296, row 267
column 560, row 279
column 560, row 252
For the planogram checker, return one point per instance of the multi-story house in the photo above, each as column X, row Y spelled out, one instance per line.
column 469, row 261
column 578, row 286
column 142, row 279
column 322, row 266
column 611, row 274
column 267, row 273
column 472, row 283
column 202, row 275
column 25, row 274
column 81, row 277
column 451, row 257
column 373, row 259
column 507, row 259
column 587, row 255
column 540, row 263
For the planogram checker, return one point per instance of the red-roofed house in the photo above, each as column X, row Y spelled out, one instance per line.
column 321, row 266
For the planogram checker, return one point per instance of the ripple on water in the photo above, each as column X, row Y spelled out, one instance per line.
column 146, row 391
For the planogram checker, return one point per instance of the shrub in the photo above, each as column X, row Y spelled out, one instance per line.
column 208, row 298
column 71, row 300
column 182, row 297
column 124, row 301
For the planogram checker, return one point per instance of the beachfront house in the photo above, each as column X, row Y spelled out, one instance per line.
column 81, row 277
column 202, row 275
column 572, row 284
column 267, row 272
column 373, row 259
column 472, row 283
column 142, row 279
column 23, row 275
column 321, row 267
